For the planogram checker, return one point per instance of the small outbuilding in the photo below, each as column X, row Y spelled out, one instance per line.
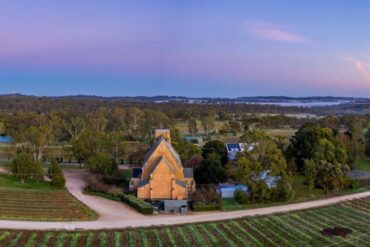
column 175, row 206
column 228, row 190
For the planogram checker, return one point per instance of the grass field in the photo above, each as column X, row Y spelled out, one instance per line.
column 302, row 228
column 39, row 201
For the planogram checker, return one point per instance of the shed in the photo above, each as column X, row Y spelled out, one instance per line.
column 228, row 190
column 175, row 206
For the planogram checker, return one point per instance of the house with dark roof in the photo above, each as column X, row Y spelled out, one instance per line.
column 162, row 176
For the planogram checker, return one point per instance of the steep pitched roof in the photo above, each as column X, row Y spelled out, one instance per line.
column 181, row 183
column 143, row 183
column 164, row 160
column 155, row 146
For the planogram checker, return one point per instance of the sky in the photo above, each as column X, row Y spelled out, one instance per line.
column 185, row 48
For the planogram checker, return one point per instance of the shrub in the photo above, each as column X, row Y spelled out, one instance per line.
column 54, row 169
column 241, row 197
column 138, row 204
column 353, row 183
column 56, row 175
column 25, row 167
column 203, row 206
column 58, row 181
column 110, row 196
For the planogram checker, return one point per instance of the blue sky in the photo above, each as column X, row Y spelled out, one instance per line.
column 191, row 48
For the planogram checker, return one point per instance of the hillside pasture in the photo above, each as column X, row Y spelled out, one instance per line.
column 344, row 224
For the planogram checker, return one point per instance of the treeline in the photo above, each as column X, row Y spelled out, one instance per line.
column 173, row 109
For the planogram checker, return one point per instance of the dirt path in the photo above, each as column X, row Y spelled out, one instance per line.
column 118, row 215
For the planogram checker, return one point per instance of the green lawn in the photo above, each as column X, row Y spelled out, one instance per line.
column 363, row 164
column 9, row 181
column 3, row 164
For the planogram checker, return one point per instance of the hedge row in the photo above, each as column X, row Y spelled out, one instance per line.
column 202, row 206
column 113, row 197
column 138, row 204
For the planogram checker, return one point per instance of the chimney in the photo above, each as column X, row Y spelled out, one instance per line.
column 165, row 133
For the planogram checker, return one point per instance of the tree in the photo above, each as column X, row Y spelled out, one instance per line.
column 208, row 123
column 2, row 128
column 331, row 166
column 210, row 172
column 56, row 175
column 75, row 127
column 98, row 121
column 310, row 171
column 357, row 139
column 303, row 144
column 235, row 126
column 25, row 167
column 251, row 164
column 324, row 158
column 54, row 169
column 253, row 136
column 215, row 149
column 192, row 126
column 101, row 163
column 34, row 140
column 135, row 115
column 186, row 150
column 194, row 162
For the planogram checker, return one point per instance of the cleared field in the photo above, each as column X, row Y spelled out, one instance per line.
column 41, row 205
column 39, row 201
column 304, row 228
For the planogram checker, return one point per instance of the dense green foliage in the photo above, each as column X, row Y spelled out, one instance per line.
column 304, row 143
column 104, row 194
column 263, row 158
column 25, row 167
column 101, row 163
column 215, row 150
column 139, row 205
column 200, row 206
column 186, row 150
column 56, row 175
column 241, row 197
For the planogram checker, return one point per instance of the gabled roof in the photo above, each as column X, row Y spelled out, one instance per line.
column 181, row 183
column 164, row 160
column 155, row 146
column 143, row 183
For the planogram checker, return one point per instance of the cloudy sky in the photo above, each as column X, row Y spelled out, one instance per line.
column 190, row 48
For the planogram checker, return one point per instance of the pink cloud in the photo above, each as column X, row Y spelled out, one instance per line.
column 361, row 68
column 273, row 33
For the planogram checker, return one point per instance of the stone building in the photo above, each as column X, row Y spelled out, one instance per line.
column 163, row 177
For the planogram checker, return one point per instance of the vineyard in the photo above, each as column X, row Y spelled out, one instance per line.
column 55, row 205
column 315, row 227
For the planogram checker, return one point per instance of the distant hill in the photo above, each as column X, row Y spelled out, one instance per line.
column 321, row 105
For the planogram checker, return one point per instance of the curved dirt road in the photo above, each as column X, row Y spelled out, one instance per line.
column 117, row 215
